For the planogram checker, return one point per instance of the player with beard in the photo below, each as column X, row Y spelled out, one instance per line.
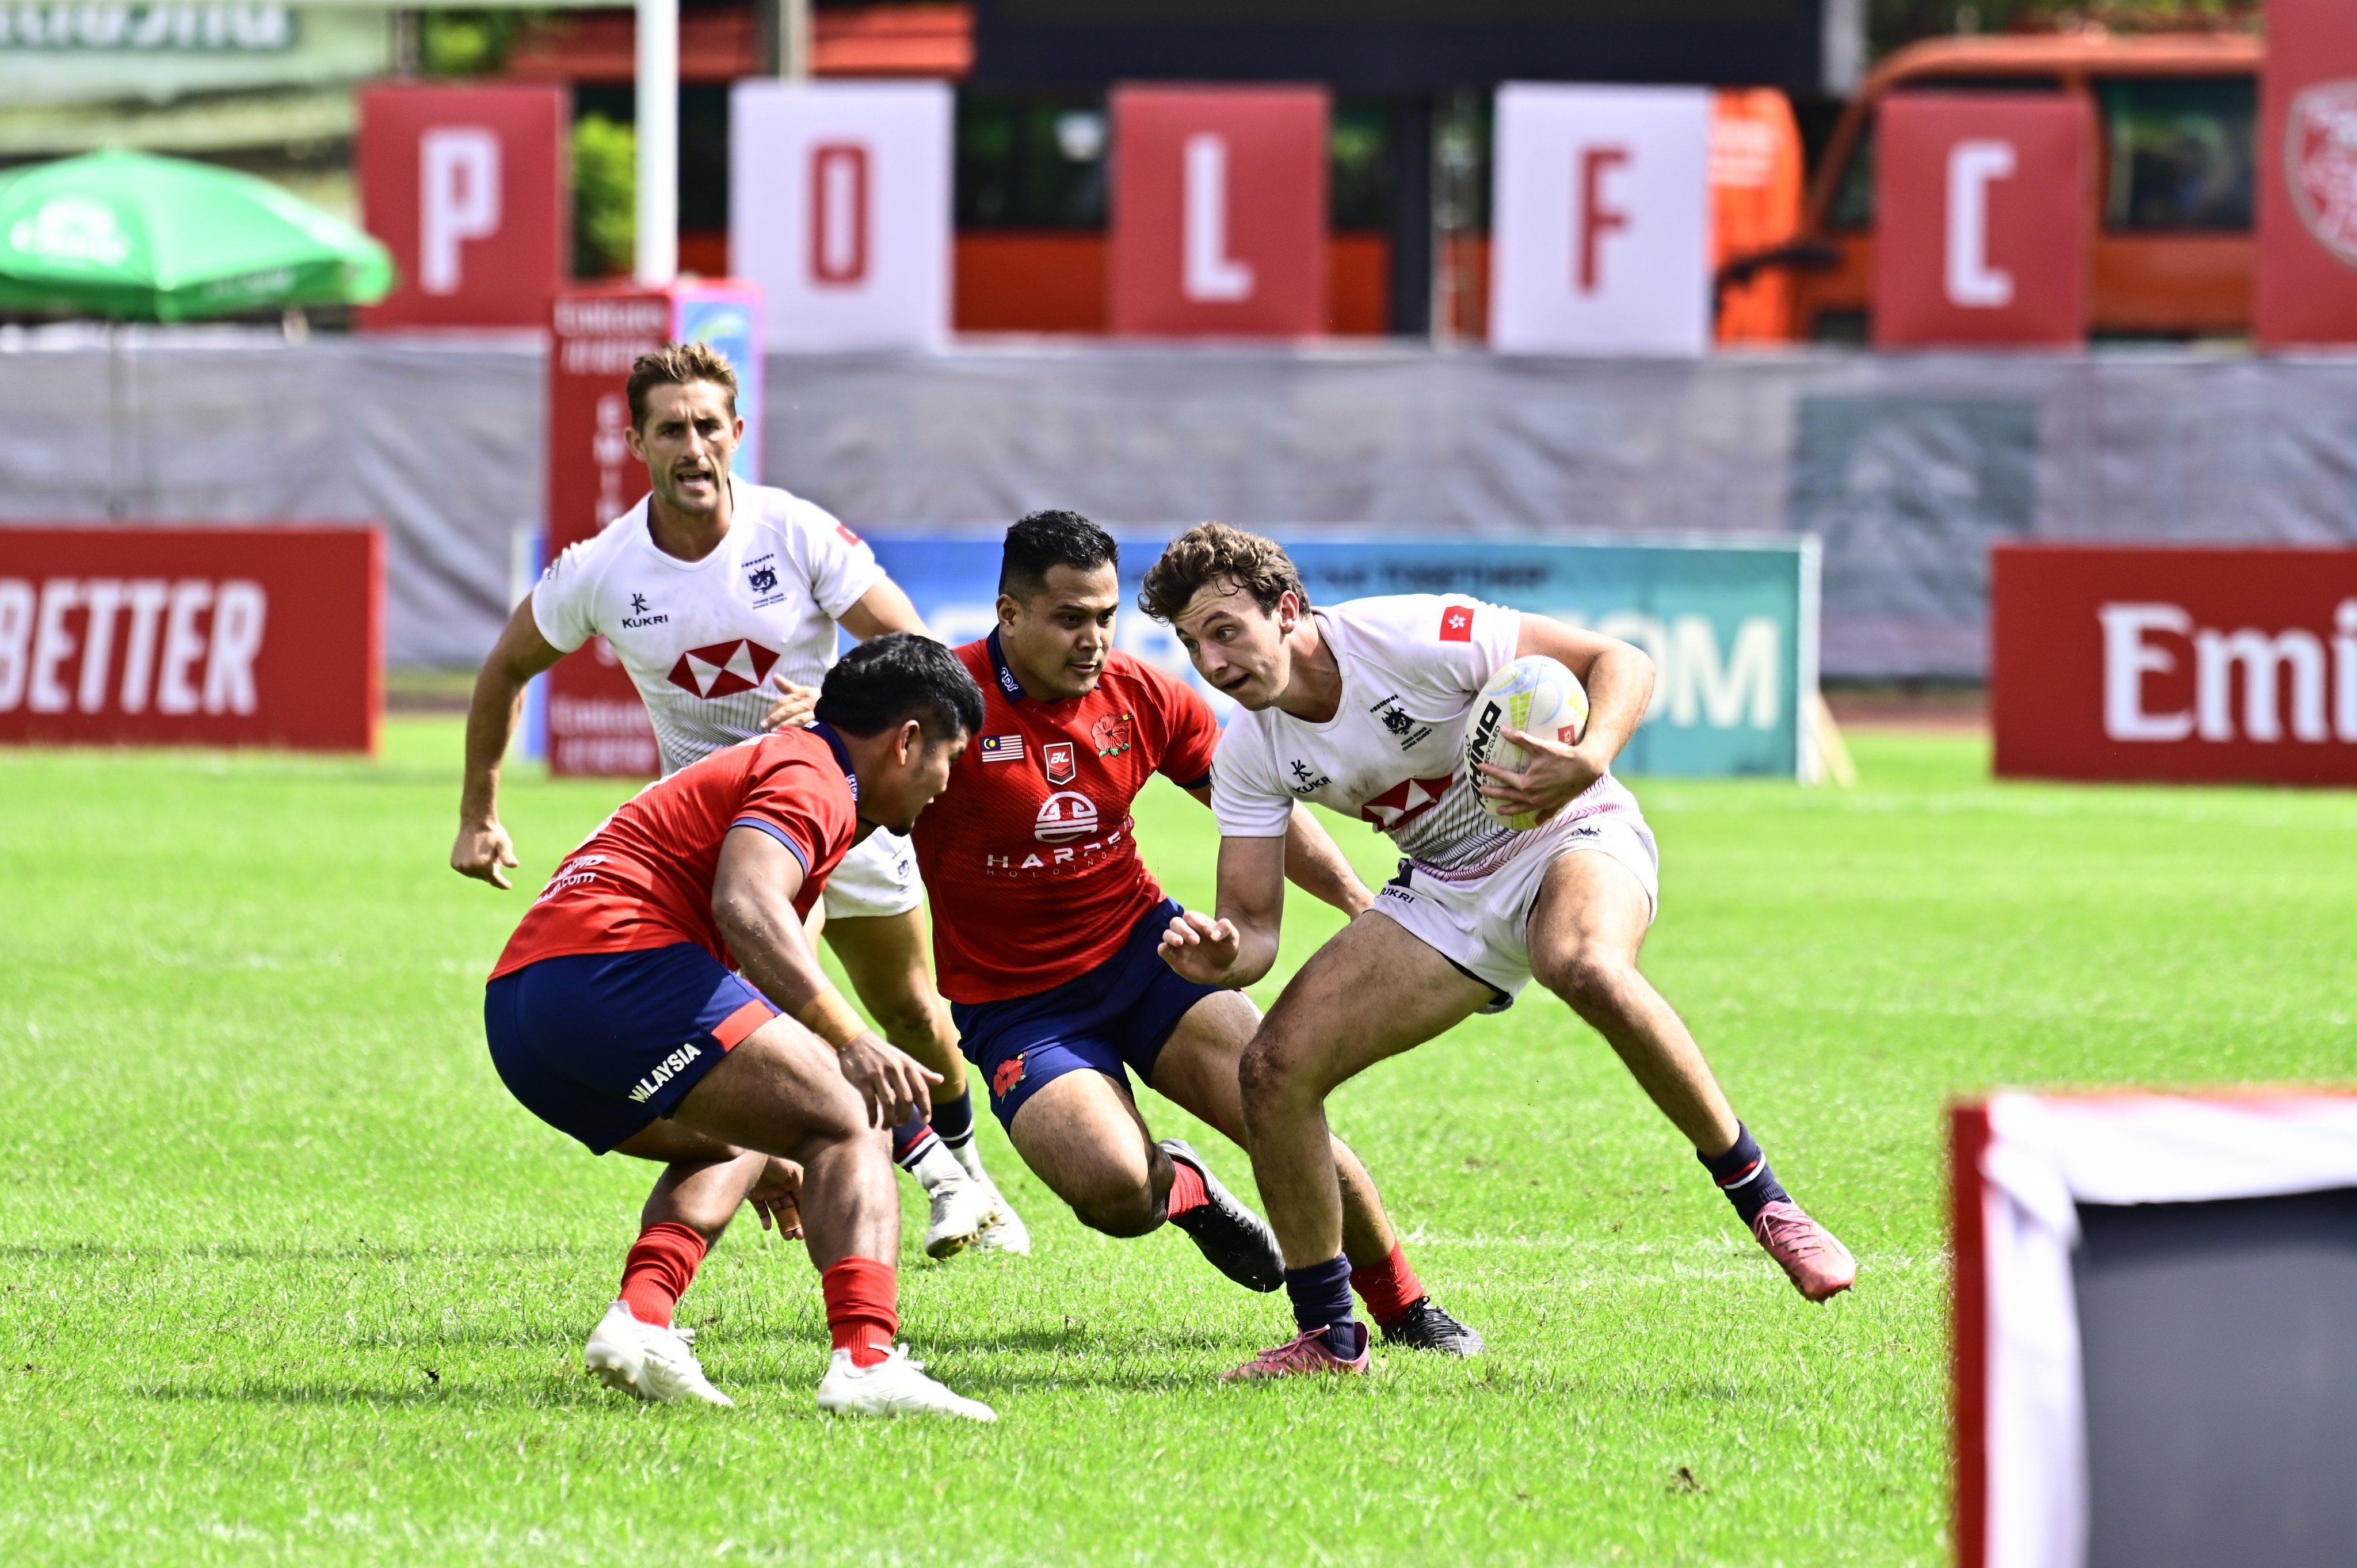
column 1046, row 929
column 719, row 598
column 1363, row 708
column 660, row 998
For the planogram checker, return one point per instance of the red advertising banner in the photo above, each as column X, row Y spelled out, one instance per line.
column 1982, row 220
column 467, row 186
column 2192, row 665
column 2307, row 284
column 191, row 637
column 1219, row 212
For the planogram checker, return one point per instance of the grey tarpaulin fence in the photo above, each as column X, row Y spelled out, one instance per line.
column 1906, row 466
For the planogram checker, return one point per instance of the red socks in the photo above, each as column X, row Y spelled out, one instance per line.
column 861, row 1313
column 658, row 1270
column 1187, row 1192
column 1389, row 1288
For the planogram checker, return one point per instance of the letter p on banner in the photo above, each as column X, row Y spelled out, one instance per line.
column 1982, row 220
column 467, row 187
column 1602, row 221
column 839, row 203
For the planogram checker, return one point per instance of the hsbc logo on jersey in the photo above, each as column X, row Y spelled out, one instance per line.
column 1405, row 801
column 1065, row 816
column 1056, row 757
column 724, row 669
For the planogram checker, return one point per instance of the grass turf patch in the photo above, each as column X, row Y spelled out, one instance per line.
column 285, row 1274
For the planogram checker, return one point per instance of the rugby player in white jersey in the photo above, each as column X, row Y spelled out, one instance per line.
column 1363, row 709
column 721, row 599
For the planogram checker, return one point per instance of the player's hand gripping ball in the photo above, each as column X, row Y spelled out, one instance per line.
column 1534, row 694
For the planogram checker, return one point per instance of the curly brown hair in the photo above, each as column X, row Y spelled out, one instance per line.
column 677, row 365
column 1213, row 553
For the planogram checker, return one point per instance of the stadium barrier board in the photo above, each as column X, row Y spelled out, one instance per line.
column 1731, row 625
column 192, row 636
column 2189, row 665
column 2154, row 1341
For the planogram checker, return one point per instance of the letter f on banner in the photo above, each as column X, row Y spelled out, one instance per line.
column 1211, row 275
column 1595, row 220
column 457, row 199
column 1972, row 167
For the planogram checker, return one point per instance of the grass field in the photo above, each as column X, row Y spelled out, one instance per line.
column 287, row 1275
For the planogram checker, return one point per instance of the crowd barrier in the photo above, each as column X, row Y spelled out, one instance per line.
column 1908, row 467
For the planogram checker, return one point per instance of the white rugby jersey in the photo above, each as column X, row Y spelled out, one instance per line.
column 1394, row 754
column 702, row 639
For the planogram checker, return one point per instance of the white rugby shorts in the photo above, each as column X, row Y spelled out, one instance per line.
column 1483, row 925
column 877, row 878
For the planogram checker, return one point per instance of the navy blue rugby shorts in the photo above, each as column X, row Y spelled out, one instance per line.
column 599, row 1044
column 1112, row 1020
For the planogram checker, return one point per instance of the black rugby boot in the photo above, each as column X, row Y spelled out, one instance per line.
column 1425, row 1327
column 1238, row 1242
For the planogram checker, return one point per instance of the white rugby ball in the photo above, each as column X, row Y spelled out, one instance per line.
column 1534, row 694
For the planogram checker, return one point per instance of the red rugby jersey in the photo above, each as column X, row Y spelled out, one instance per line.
column 644, row 878
column 1028, row 855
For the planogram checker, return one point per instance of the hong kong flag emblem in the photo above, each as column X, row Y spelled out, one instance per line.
column 1455, row 624
column 724, row 669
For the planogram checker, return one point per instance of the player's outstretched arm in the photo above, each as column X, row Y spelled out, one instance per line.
column 483, row 848
column 1619, row 680
column 753, row 905
column 1240, row 946
column 1314, row 862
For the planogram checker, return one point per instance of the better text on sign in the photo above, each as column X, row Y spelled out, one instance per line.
column 1219, row 210
column 191, row 637
column 1601, row 228
column 2189, row 665
column 839, row 197
column 467, row 187
column 1982, row 222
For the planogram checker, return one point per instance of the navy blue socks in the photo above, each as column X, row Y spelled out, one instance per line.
column 953, row 1122
column 1743, row 1175
column 1321, row 1299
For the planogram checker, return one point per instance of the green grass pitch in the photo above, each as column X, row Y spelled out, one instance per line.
column 289, row 1277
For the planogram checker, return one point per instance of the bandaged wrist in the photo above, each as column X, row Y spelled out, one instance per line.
column 830, row 1017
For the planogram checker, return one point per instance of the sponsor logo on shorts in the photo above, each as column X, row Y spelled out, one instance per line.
column 1063, row 816
column 1110, row 733
column 1062, row 765
column 1007, row 1074
column 664, row 1071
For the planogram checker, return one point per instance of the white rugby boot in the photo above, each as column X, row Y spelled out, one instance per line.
column 894, row 1385
column 960, row 1203
column 1002, row 1229
column 652, row 1362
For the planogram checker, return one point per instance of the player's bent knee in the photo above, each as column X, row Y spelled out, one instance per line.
column 1594, row 982
column 1133, row 1214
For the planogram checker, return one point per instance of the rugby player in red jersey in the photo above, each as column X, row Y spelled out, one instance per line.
column 1046, row 930
column 660, row 998
column 1362, row 707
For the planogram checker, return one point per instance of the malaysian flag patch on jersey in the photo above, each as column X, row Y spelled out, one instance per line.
column 1002, row 748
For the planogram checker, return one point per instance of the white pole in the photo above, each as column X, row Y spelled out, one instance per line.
column 658, row 133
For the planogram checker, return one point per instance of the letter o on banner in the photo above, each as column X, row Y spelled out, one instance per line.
column 1983, row 220
column 839, row 205
column 1602, row 221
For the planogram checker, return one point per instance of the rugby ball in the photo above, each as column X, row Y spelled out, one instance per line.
column 1534, row 694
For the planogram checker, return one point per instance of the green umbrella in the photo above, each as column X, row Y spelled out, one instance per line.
column 131, row 236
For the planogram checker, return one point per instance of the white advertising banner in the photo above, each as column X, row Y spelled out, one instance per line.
column 839, row 209
column 1600, row 230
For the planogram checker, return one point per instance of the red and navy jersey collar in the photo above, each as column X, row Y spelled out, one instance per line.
column 841, row 753
column 1008, row 686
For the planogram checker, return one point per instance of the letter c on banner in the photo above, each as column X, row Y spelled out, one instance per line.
column 1595, row 220
column 457, row 199
column 1972, row 167
column 838, row 214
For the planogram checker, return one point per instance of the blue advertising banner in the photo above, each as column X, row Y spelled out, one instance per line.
column 1731, row 628
column 728, row 316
